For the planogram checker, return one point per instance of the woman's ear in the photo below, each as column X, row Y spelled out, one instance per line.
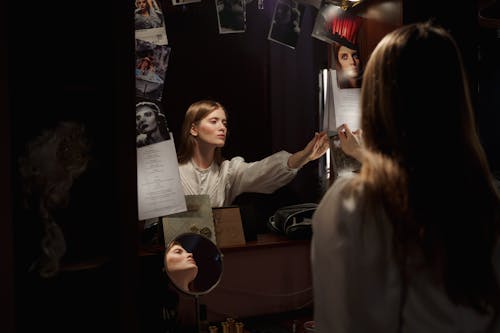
column 193, row 130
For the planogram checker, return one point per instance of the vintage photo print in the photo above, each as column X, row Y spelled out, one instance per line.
column 323, row 22
column 183, row 2
column 151, row 123
column 148, row 15
column 154, row 36
column 151, row 66
column 231, row 15
column 341, row 29
column 285, row 27
column 348, row 66
column 334, row 25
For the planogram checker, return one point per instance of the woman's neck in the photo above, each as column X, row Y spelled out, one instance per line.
column 203, row 155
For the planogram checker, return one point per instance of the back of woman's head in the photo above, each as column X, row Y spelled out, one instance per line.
column 416, row 93
column 425, row 158
column 195, row 113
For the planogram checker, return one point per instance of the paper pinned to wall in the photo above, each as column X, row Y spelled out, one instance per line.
column 342, row 105
column 159, row 188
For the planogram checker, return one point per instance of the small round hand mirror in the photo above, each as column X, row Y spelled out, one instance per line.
column 193, row 263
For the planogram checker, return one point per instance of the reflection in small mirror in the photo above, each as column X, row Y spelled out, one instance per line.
column 193, row 263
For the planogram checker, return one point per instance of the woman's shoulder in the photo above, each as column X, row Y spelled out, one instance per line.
column 233, row 160
column 344, row 198
column 347, row 186
column 228, row 165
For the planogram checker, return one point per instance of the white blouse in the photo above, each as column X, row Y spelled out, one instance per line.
column 357, row 284
column 225, row 182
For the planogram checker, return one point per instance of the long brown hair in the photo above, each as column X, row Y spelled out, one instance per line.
column 195, row 113
column 425, row 163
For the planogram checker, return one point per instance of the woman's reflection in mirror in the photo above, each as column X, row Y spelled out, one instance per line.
column 204, row 171
column 181, row 266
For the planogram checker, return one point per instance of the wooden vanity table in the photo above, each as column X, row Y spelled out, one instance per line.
column 265, row 283
column 267, row 276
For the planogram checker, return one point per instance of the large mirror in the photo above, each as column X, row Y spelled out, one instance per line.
column 193, row 263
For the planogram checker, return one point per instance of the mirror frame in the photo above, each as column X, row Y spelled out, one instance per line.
column 214, row 256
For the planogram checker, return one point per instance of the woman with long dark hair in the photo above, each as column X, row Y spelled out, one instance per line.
column 411, row 244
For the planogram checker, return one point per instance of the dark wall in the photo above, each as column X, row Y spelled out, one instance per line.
column 480, row 51
column 488, row 115
column 6, row 243
column 73, row 61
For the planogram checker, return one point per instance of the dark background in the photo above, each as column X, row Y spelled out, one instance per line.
column 75, row 61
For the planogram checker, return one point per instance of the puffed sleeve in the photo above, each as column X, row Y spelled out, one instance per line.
column 264, row 176
column 355, row 280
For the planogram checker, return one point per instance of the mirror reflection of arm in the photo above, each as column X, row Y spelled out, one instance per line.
column 275, row 171
column 312, row 151
column 264, row 176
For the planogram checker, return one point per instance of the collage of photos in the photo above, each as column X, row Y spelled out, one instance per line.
column 151, row 49
column 151, row 61
column 159, row 190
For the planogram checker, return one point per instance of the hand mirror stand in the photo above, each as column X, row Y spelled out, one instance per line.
column 193, row 264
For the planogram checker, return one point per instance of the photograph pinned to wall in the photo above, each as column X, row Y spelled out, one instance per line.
column 156, row 36
column 231, row 16
column 148, row 15
column 344, row 31
column 285, row 27
column 323, row 22
column 183, row 2
column 149, row 22
column 348, row 66
column 151, row 67
column 341, row 29
column 151, row 123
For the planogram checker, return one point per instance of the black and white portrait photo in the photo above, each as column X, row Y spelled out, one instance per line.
column 151, row 123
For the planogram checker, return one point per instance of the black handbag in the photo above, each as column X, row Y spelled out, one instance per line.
column 293, row 221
